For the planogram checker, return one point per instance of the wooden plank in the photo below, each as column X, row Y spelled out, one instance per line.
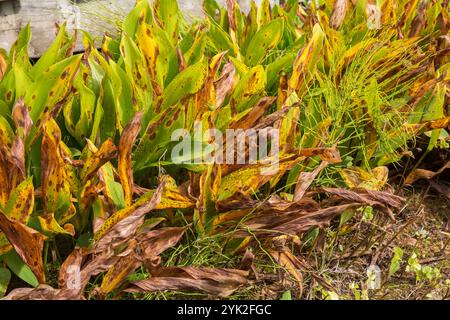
column 42, row 15
column 85, row 14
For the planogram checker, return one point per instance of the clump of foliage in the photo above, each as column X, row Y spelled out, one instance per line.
column 85, row 137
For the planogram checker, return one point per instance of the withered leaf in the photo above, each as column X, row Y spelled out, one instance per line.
column 27, row 242
column 123, row 224
column 225, row 83
column 425, row 174
column 305, row 179
column 22, row 119
column 106, row 153
column 217, row 282
column 126, row 143
column 147, row 247
column 3, row 66
column 338, row 14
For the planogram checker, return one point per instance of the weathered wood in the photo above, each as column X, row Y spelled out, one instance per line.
column 85, row 14
column 42, row 15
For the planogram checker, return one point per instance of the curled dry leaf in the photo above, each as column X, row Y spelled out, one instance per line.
column 441, row 188
column 270, row 223
column 106, row 153
column 145, row 249
column 378, row 199
column 338, row 14
column 217, row 282
column 123, row 224
column 42, row 292
column 225, row 83
column 18, row 156
column 126, row 143
column 252, row 118
column 22, row 119
column 290, row 263
column 425, row 174
column 3, row 66
column 27, row 242
column 305, row 179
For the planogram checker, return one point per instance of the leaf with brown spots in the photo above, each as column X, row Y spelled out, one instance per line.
column 106, row 153
column 373, row 179
column 22, row 119
column 306, row 62
column 126, row 144
column 48, row 93
column 27, row 242
column 21, row 202
column 56, row 178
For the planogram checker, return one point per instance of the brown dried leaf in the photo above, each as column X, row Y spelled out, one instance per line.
column 27, row 242
column 425, row 174
column 18, row 156
column 252, row 118
column 147, row 247
column 123, row 225
column 420, row 19
column 305, row 179
column 106, row 153
column 22, row 119
column 217, row 282
column 269, row 223
column 126, row 143
column 338, row 14
column 225, row 83
column 290, row 263
column 441, row 188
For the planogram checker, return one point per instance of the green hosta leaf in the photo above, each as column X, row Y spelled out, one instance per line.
column 249, row 87
column 169, row 14
column 156, row 140
column 273, row 70
column 19, row 51
column 197, row 49
column 5, row 277
column 396, row 261
column 21, row 201
column 188, row 82
column 140, row 81
column 58, row 51
column 264, row 40
column 221, row 39
column 47, row 225
column 142, row 13
column 15, row 263
column 79, row 111
column 157, row 49
column 50, row 88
